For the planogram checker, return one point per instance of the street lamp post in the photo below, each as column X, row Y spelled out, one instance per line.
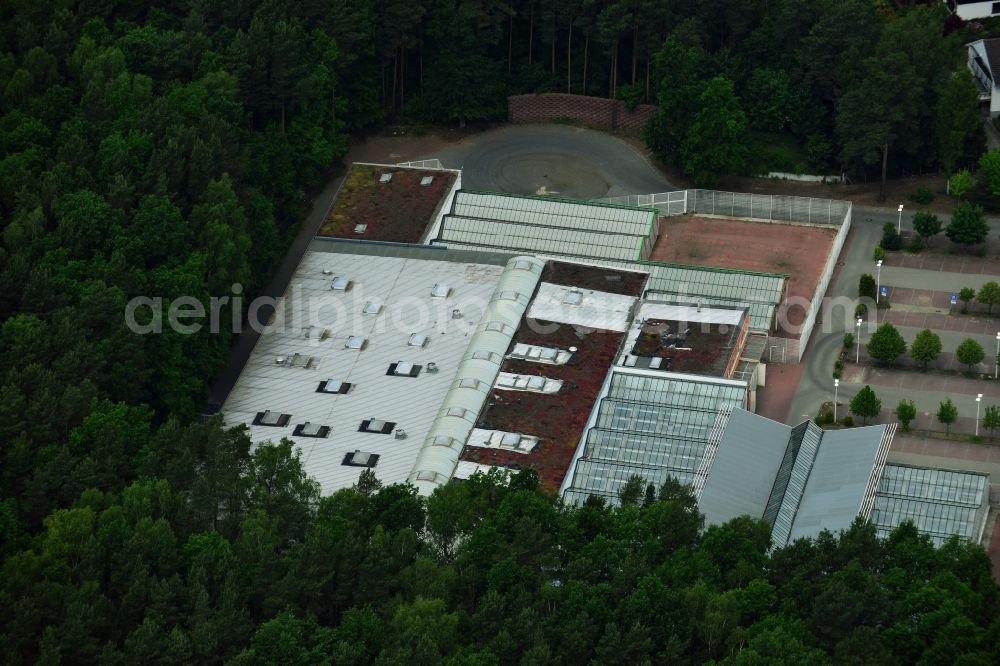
column 899, row 222
column 996, row 359
column 857, row 352
column 979, row 399
column 836, row 385
column 878, row 286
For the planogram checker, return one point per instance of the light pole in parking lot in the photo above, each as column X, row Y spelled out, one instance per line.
column 996, row 359
column 878, row 286
column 836, row 385
column 857, row 353
column 979, row 399
column 899, row 222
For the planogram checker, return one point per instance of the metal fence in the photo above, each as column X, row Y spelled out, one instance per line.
column 774, row 207
column 669, row 203
column 771, row 207
column 423, row 164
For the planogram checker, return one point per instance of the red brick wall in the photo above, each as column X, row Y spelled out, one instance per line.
column 590, row 110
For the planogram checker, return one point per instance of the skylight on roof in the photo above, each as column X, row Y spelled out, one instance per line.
column 371, row 307
column 385, row 178
column 416, row 340
column 440, row 291
column 340, row 284
column 426, row 180
column 356, row 342
column 523, row 264
column 360, row 228
column 460, row 412
column 360, row 459
column 469, row 382
column 573, row 297
column 333, row 386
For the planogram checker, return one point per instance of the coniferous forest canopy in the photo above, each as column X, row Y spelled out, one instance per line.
column 166, row 149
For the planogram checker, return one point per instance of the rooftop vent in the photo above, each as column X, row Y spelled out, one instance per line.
column 371, row 307
column 327, row 271
column 385, row 178
column 440, row 291
column 426, row 180
column 403, row 369
column 271, row 418
column 360, row 459
column 456, row 314
column 573, row 298
column 356, row 342
column 399, row 434
column 416, row 340
column 340, row 284
column 360, row 228
column 432, row 367
column 376, row 426
column 333, row 386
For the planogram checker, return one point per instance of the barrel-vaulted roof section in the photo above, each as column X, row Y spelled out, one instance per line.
column 457, row 415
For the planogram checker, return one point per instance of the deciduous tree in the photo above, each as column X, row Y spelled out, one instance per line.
column 926, row 347
column 969, row 352
column 967, row 226
column 947, row 413
column 906, row 411
column 865, row 404
column 886, row 344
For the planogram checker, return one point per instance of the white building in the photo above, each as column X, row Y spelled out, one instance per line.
column 969, row 10
column 984, row 62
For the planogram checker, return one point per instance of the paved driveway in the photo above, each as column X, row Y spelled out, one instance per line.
column 553, row 159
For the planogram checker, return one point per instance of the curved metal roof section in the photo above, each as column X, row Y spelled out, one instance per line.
column 457, row 416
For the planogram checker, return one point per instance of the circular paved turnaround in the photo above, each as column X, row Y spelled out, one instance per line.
column 557, row 160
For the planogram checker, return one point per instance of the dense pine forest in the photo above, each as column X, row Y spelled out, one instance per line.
column 168, row 148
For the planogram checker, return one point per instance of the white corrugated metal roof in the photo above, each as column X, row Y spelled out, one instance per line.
column 404, row 287
column 596, row 309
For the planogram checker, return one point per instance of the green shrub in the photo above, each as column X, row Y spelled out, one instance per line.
column 848, row 340
column 922, row 196
column 916, row 245
column 878, row 254
column 847, row 421
column 890, row 239
column 860, row 310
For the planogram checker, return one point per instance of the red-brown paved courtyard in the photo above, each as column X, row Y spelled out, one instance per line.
column 796, row 250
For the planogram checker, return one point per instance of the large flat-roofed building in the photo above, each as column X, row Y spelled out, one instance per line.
column 426, row 362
